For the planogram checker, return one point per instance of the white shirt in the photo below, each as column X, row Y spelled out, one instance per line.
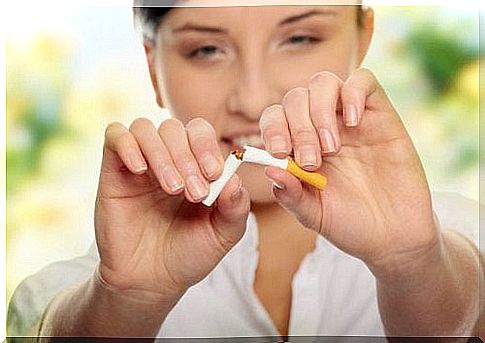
column 333, row 294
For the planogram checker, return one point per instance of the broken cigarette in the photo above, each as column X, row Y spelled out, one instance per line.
column 259, row 156
column 215, row 188
column 255, row 155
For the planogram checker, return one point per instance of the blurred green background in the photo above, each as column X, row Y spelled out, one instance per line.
column 72, row 71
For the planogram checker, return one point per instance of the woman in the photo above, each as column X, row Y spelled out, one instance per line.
column 366, row 256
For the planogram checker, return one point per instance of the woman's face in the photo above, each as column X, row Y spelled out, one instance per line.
column 227, row 64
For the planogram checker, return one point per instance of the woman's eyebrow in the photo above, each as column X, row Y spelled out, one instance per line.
column 305, row 15
column 187, row 27
column 198, row 28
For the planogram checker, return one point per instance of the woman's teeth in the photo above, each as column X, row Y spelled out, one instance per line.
column 252, row 140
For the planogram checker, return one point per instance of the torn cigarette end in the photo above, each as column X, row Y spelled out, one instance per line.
column 259, row 156
column 231, row 165
column 239, row 154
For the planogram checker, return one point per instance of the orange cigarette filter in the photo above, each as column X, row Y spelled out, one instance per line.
column 259, row 156
column 313, row 178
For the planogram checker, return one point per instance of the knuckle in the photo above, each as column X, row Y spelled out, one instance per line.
column 187, row 165
column 360, row 78
column 198, row 122
column 122, row 141
column 321, row 110
column 200, row 125
column 112, row 127
column 365, row 72
column 325, row 78
column 295, row 93
column 323, row 115
column 274, row 109
column 117, row 136
column 270, row 115
column 354, row 85
column 303, row 136
column 170, row 124
column 164, row 164
column 200, row 144
column 272, row 132
column 140, row 124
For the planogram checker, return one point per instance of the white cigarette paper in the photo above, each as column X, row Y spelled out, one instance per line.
column 258, row 156
column 251, row 155
column 215, row 188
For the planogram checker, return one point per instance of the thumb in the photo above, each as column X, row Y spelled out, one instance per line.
column 231, row 212
column 300, row 199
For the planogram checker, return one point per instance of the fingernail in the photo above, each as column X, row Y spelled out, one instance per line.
column 277, row 144
column 351, row 118
column 172, row 179
column 137, row 163
column 307, row 156
column 275, row 184
column 328, row 141
column 278, row 186
column 140, row 168
column 211, row 166
column 196, row 187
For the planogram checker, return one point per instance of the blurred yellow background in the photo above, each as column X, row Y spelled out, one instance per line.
column 71, row 71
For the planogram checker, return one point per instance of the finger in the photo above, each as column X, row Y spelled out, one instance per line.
column 231, row 211
column 157, row 155
column 306, row 145
column 174, row 137
column 203, row 143
column 275, row 132
column 295, row 196
column 121, row 149
column 324, row 95
column 360, row 91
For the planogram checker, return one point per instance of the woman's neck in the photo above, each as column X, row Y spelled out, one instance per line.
column 283, row 244
column 280, row 229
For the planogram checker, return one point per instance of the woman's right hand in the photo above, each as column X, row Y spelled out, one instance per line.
column 154, row 236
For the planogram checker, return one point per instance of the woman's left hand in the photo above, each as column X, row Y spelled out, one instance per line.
column 376, row 205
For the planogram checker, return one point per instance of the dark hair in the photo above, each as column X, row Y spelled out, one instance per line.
column 148, row 15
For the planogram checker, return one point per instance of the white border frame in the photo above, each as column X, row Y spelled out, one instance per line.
column 6, row 21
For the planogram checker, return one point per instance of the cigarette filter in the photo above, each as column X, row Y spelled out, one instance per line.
column 215, row 188
column 255, row 155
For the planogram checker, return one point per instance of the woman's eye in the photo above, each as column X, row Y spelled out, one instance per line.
column 204, row 51
column 302, row 39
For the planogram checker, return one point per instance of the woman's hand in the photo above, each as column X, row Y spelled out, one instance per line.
column 153, row 235
column 377, row 203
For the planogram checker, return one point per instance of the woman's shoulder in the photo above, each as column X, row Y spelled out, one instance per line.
column 34, row 293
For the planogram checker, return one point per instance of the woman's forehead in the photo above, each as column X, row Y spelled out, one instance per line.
column 219, row 3
column 237, row 15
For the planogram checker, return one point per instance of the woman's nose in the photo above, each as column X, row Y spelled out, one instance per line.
column 253, row 90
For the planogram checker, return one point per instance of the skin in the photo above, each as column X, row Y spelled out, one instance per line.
column 299, row 85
